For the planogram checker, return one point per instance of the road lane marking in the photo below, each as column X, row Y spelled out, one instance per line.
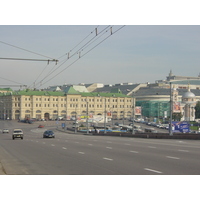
column 90, row 144
column 52, row 145
column 152, row 147
column 81, row 152
column 108, row 147
column 152, row 170
column 110, row 159
column 172, row 157
column 134, row 151
column 64, row 148
column 183, row 150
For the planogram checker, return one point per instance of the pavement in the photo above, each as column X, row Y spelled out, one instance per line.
column 2, row 172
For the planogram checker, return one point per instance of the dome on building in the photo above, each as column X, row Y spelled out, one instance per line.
column 188, row 95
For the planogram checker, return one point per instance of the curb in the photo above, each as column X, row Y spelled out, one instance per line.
column 2, row 171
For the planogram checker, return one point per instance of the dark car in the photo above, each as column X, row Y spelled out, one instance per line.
column 48, row 134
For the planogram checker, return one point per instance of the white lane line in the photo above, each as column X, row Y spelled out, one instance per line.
column 81, row 152
column 52, row 145
column 152, row 170
column 108, row 147
column 172, row 157
column 134, row 151
column 90, row 144
column 152, row 147
column 110, row 159
column 183, row 150
column 64, row 148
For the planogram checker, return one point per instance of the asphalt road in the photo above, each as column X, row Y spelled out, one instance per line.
column 77, row 154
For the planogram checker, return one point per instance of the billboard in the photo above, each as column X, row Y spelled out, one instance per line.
column 138, row 110
column 176, row 107
column 183, row 127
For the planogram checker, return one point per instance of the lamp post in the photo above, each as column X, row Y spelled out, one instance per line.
column 105, row 117
column 133, row 111
column 87, row 118
column 3, row 109
column 66, row 116
column 171, row 110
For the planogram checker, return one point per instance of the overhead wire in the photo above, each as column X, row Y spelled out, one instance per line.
column 81, row 55
column 79, row 43
column 52, row 70
column 81, row 48
column 25, row 49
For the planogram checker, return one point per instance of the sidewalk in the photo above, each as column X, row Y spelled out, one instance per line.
column 1, row 170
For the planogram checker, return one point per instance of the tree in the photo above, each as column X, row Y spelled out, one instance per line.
column 197, row 110
column 177, row 116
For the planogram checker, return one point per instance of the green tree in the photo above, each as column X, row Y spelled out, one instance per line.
column 197, row 110
column 177, row 116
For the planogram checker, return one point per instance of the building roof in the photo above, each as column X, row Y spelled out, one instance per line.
column 162, row 91
column 125, row 89
column 69, row 90
column 6, row 89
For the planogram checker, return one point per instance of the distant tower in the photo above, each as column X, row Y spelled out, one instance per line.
column 189, row 102
column 170, row 73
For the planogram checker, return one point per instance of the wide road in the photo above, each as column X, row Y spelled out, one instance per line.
column 78, row 154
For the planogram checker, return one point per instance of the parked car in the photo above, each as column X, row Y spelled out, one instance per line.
column 48, row 134
column 17, row 133
column 41, row 126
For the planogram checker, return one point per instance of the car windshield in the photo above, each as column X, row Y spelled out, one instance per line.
column 49, row 132
column 18, row 131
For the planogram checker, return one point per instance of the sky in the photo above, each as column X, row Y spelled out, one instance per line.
column 134, row 53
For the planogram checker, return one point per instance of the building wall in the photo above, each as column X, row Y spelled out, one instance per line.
column 51, row 107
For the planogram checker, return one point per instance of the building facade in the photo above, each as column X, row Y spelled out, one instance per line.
column 53, row 105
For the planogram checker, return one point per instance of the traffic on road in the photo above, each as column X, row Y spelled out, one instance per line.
column 72, row 153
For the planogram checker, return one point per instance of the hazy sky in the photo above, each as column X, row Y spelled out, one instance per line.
column 135, row 54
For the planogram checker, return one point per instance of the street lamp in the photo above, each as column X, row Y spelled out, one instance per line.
column 3, row 109
column 171, row 110
column 105, row 117
column 87, row 118
column 133, row 110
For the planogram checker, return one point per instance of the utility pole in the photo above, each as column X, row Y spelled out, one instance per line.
column 105, row 117
column 171, row 110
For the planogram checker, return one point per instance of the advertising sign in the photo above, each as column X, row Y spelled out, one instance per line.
column 138, row 110
column 176, row 107
column 183, row 127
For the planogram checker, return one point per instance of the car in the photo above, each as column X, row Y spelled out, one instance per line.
column 5, row 131
column 48, row 134
column 41, row 126
column 17, row 133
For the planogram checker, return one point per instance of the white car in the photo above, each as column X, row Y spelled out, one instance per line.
column 5, row 131
column 17, row 133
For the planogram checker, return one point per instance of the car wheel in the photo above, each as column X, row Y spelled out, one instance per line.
column 21, row 138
